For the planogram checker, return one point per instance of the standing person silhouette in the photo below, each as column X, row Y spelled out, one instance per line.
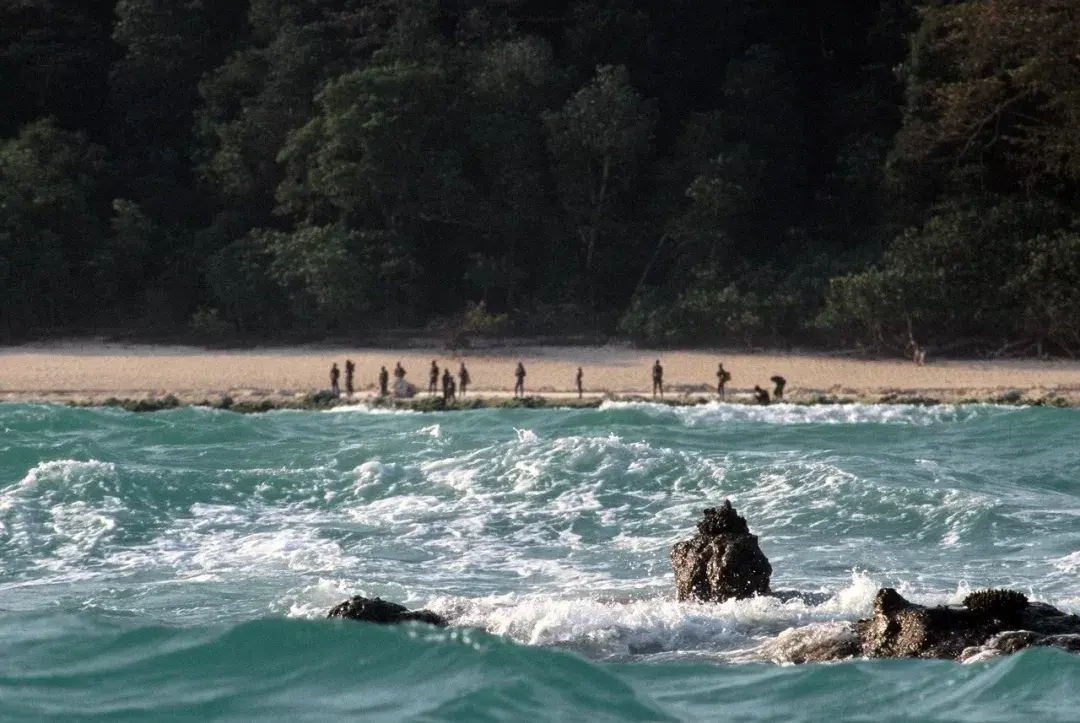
column 401, row 387
column 580, row 376
column 433, row 378
column 463, row 376
column 723, row 376
column 658, row 379
column 384, row 382
column 335, row 374
column 350, row 370
column 778, row 391
column 447, row 385
column 519, row 385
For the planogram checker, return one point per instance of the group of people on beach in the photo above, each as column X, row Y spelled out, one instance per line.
column 450, row 386
column 723, row 376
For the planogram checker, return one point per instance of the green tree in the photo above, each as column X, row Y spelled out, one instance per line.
column 992, row 98
column 54, row 61
column 950, row 281
column 1048, row 287
column 337, row 277
column 50, row 227
column 510, row 85
column 378, row 158
column 153, row 98
column 599, row 141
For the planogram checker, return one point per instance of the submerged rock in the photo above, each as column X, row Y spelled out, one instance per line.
column 382, row 612
column 989, row 622
column 723, row 561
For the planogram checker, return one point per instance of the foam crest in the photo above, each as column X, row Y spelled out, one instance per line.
column 61, row 472
column 713, row 413
column 43, row 522
column 627, row 626
column 363, row 408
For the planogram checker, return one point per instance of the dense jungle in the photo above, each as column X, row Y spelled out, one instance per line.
column 856, row 175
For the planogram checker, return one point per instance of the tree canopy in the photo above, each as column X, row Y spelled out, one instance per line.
column 873, row 174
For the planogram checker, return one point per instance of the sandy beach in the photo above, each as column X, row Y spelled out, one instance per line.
column 89, row 372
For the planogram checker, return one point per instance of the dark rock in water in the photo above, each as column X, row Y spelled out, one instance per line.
column 647, row 648
column 1069, row 642
column 1013, row 641
column 1003, row 603
column 382, row 612
column 722, row 561
column 999, row 621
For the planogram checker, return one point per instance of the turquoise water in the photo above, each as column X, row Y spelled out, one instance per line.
column 175, row 565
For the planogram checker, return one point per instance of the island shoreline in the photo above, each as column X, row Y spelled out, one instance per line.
column 149, row 377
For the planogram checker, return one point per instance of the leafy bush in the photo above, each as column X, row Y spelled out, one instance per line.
column 208, row 323
column 698, row 315
column 971, row 271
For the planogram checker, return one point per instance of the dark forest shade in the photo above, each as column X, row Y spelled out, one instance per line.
column 682, row 172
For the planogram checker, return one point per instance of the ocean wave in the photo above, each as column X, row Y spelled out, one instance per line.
column 547, row 533
column 63, row 668
column 714, row 413
column 296, row 670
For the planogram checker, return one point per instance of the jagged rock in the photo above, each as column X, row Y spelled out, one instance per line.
column 722, row 561
column 1013, row 641
column 383, row 612
column 1002, row 621
column 1069, row 642
column 1007, row 603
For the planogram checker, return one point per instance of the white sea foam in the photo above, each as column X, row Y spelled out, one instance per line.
column 714, row 413
column 367, row 409
column 434, row 431
column 66, row 471
column 656, row 624
column 43, row 512
column 1069, row 563
column 526, row 435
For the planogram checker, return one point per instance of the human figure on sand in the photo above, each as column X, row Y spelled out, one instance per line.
column 335, row 374
column 463, row 377
column 658, row 379
column 761, row 395
column 384, row 382
column 778, row 390
column 433, row 378
column 578, row 379
column 519, row 385
column 401, row 387
column 723, row 376
column 447, row 385
column 350, row 370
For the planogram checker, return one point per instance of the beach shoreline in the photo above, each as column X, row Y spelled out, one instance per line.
column 96, row 373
